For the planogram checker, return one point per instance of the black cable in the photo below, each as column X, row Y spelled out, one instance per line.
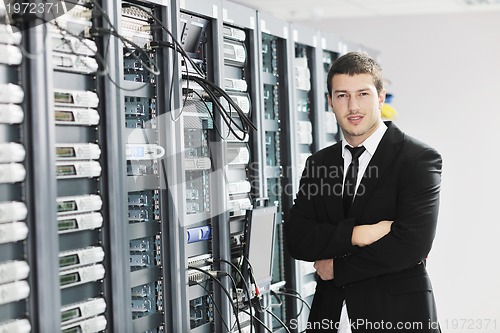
column 295, row 294
column 278, row 320
column 153, row 70
column 228, row 98
column 108, row 75
column 296, row 297
column 187, row 90
column 244, row 119
column 215, row 305
column 212, row 89
column 259, row 321
column 177, row 44
column 304, row 302
column 227, row 120
column 210, row 113
column 258, row 306
column 179, row 49
column 252, row 277
column 113, row 81
column 276, row 297
column 170, row 97
column 103, row 13
column 207, row 85
column 98, row 57
column 245, row 286
column 214, row 278
column 237, row 314
column 101, row 59
column 248, row 174
column 171, row 90
column 114, row 32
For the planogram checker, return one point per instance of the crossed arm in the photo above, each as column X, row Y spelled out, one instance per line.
column 362, row 235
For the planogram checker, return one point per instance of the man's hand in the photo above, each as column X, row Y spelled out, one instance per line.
column 363, row 235
column 324, row 268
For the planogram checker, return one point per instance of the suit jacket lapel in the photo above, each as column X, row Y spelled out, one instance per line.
column 387, row 150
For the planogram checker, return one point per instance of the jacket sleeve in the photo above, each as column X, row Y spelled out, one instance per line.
column 412, row 232
column 307, row 238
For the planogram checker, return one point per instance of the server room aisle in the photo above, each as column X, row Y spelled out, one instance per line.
column 149, row 153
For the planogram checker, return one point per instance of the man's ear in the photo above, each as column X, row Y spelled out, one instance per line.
column 381, row 97
column 330, row 102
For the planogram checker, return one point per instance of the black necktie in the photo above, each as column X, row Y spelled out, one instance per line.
column 351, row 178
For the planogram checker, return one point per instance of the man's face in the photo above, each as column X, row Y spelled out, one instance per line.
column 356, row 105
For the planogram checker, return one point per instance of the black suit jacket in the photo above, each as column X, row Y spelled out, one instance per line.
column 385, row 282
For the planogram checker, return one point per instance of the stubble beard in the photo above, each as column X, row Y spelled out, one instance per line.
column 361, row 132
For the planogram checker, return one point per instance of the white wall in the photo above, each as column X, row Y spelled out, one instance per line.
column 445, row 73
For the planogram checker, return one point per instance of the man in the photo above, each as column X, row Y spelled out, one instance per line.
column 369, row 240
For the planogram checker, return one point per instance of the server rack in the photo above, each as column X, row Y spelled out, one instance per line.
column 117, row 289
column 16, row 212
column 276, row 101
column 202, row 166
column 328, row 132
column 80, row 202
column 304, row 119
column 240, row 27
column 144, row 150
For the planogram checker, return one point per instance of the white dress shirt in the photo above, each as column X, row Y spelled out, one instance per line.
column 371, row 143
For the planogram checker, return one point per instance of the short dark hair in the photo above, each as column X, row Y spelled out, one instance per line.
column 354, row 63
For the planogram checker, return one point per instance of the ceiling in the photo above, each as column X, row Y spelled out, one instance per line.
column 297, row 10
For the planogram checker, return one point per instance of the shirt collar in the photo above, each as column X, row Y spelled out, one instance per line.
column 371, row 143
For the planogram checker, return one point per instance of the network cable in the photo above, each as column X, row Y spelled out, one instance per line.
column 278, row 320
column 296, row 296
column 179, row 47
column 245, row 286
column 213, row 275
column 259, row 321
column 113, row 31
column 293, row 293
column 97, row 32
column 219, row 91
column 211, row 114
column 215, row 305
column 227, row 118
